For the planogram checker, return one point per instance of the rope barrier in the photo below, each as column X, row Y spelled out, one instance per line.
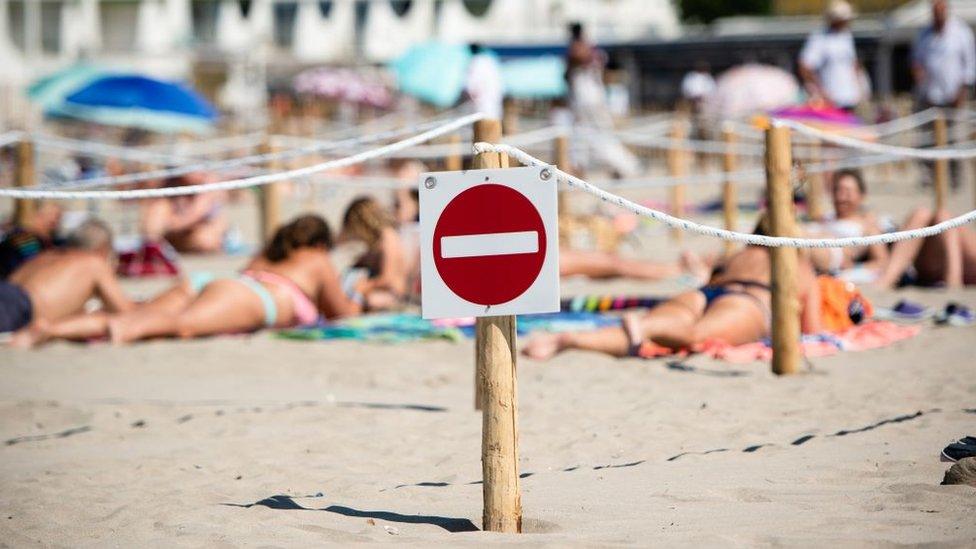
column 743, row 238
column 850, row 142
column 11, row 137
column 385, row 150
column 216, row 165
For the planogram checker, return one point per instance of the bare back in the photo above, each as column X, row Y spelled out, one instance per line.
column 59, row 282
column 312, row 271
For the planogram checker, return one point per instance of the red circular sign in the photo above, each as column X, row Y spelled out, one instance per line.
column 497, row 259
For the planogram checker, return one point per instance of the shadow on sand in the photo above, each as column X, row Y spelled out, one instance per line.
column 287, row 503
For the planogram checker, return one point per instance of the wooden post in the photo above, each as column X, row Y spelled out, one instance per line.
column 676, row 168
column 561, row 157
column 24, row 209
column 730, row 206
column 496, row 393
column 782, row 222
column 941, row 165
column 270, row 200
column 511, row 117
column 815, row 186
column 453, row 161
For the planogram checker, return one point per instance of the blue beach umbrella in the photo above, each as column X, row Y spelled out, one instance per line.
column 539, row 77
column 51, row 90
column 137, row 101
column 433, row 72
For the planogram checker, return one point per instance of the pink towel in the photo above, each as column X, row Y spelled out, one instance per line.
column 872, row 335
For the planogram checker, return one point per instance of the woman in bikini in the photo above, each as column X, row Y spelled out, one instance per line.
column 734, row 307
column 380, row 275
column 851, row 219
column 291, row 283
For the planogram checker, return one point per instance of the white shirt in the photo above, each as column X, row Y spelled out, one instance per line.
column 833, row 57
column 484, row 85
column 949, row 61
column 696, row 85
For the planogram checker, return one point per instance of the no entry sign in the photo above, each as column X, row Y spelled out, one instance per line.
column 489, row 242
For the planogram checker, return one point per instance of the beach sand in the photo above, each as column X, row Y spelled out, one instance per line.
column 262, row 442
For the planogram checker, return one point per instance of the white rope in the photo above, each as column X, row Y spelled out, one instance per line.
column 11, row 137
column 524, row 139
column 247, row 181
column 209, row 146
column 751, row 239
column 926, row 154
column 216, row 165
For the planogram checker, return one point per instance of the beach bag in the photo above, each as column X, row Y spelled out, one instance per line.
column 841, row 304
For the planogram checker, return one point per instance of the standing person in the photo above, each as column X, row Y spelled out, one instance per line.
column 944, row 64
column 828, row 61
column 588, row 101
column 484, row 82
column 944, row 60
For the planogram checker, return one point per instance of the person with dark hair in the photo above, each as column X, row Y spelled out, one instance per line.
column 56, row 283
column 733, row 307
column 851, row 219
column 18, row 244
column 290, row 283
column 483, row 82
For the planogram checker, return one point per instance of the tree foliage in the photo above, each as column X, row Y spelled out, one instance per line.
column 706, row 11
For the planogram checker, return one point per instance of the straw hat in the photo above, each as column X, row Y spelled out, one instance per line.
column 840, row 10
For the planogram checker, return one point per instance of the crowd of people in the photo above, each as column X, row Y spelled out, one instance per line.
column 48, row 282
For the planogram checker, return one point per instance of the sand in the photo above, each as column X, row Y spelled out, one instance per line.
column 261, row 442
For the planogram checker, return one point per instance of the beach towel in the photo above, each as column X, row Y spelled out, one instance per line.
column 871, row 335
column 401, row 327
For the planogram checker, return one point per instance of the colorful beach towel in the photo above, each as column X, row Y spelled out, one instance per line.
column 871, row 335
column 401, row 327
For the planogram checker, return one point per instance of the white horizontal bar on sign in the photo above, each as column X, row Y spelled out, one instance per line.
column 479, row 245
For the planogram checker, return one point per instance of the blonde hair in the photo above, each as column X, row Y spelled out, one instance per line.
column 365, row 220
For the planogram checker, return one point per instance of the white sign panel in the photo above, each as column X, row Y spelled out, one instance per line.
column 489, row 242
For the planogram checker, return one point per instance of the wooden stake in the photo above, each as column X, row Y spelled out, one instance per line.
column 941, row 165
column 511, row 117
column 730, row 205
column 815, row 187
column 561, row 156
column 24, row 209
column 453, row 161
column 782, row 222
column 270, row 200
column 676, row 168
column 496, row 393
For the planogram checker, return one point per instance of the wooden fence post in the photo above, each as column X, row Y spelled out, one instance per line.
column 677, row 158
column 453, row 161
column 941, row 165
column 26, row 177
column 496, row 379
column 815, row 185
column 782, row 222
column 730, row 206
column 561, row 156
column 270, row 197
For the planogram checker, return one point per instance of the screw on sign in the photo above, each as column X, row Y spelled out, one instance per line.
column 489, row 243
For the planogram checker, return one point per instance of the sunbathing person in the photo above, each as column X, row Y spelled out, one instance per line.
column 56, row 284
column 948, row 258
column 382, row 271
column 289, row 284
column 604, row 265
column 858, row 264
column 734, row 307
column 18, row 244
column 193, row 223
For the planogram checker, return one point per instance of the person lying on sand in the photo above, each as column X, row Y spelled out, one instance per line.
column 193, row 223
column 948, row 258
column 18, row 244
column 382, row 271
column 604, row 265
column 289, row 284
column 56, row 283
column 851, row 219
column 734, row 307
